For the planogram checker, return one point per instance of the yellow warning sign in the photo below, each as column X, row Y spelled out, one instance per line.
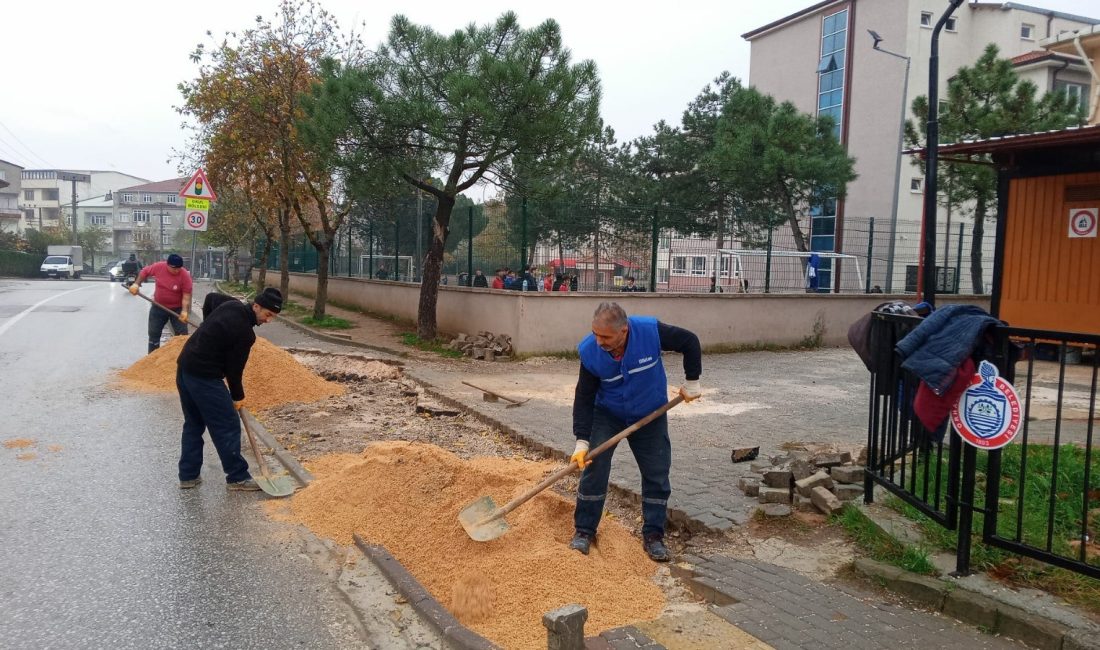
column 197, row 204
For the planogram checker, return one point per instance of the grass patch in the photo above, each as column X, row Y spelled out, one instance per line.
column 437, row 346
column 881, row 546
column 328, row 322
column 1034, row 480
column 238, row 289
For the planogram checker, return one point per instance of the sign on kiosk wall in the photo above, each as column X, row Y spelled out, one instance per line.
column 1082, row 222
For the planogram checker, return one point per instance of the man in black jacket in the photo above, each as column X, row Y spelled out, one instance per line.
column 217, row 351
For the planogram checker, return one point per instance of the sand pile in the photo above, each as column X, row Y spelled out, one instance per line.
column 271, row 377
column 407, row 496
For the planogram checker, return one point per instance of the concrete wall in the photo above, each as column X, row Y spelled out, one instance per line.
column 555, row 322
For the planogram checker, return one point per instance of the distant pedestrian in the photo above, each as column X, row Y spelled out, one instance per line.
column 498, row 279
column 480, row 280
column 573, row 282
column 173, row 291
column 561, row 284
column 548, row 281
column 527, row 282
column 629, row 286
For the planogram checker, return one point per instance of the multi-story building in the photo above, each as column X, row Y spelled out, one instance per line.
column 147, row 218
column 823, row 60
column 11, row 216
column 45, row 192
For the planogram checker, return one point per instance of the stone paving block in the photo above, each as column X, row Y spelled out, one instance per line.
column 711, row 591
column 775, row 495
column 847, row 474
column 846, row 492
column 1081, row 640
column 801, row 468
column 758, row 466
column 825, row 500
column 830, row 460
column 1028, row 628
column 778, row 478
column 750, row 486
column 805, row 486
column 776, row 510
column 803, row 504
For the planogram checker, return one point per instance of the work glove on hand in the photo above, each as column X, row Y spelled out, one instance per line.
column 134, row 289
column 237, row 404
column 691, row 390
column 579, row 452
column 183, row 316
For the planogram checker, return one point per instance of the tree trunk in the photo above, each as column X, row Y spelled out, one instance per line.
column 261, row 276
column 433, row 264
column 976, row 244
column 284, row 252
column 322, row 277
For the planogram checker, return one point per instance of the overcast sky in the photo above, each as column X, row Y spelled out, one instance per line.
column 92, row 85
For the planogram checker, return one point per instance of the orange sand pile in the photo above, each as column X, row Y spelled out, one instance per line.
column 407, row 496
column 271, row 377
column 18, row 443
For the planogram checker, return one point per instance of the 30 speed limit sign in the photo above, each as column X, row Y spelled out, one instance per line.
column 196, row 220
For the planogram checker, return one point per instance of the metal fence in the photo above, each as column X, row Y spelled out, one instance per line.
column 596, row 248
column 1039, row 496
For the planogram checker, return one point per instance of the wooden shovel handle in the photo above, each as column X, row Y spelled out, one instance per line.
column 157, row 304
column 568, row 469
column 485, row 390
column 252, row 443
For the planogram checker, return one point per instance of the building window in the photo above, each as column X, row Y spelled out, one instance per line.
column 166, row 219
column 830, row 82
column 1080, row 92
column 141, row 216
column 51, row 195
column 662, row 276
column 689, row 265
column 166, row 239
column 951, row 24
column 127, row 197
column 146, row 198
column 915, row 185
column 99, row 219
column 28, row 195
column 124, row 217
column 68, row 221
column 170, row 198
column 926, row 19
column 1027, row 32
column 50, row 214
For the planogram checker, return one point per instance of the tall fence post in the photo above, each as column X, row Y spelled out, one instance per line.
column 870, row 251
column 966, row 511
column 396, row 248
column 768, row 264
column 653, row 254
column 470, row 246
column 523, row 237
column 596, row 259
column 370, row 250
column 959, row 259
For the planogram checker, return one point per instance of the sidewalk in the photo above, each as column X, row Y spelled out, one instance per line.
column 744, row 392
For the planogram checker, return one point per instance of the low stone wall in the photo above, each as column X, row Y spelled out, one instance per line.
column 556, row 322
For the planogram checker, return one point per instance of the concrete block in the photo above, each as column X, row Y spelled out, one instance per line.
column 565, row 627
column 970, row 607
column 846, row 492
column 801, row 468
column 825, row 501
column 776, row 510
column 922, row 589
column 781, row 460
column 805, row 486
column 874, row 569
column 775, row 495
column 804, row 504
column 1081, row 640
column 758, row 466
column 847, row 474
column 750, row 486
column 1030, row 629
column 830, row 460
column 778, row 478
column 744, row 454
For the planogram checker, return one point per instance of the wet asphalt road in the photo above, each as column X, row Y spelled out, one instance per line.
column 98, row 546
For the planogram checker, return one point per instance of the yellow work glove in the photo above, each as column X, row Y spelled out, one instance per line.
column 183, row 316
column 579, row 452
column 691, row 390
column 134, row 289
column 238, row 404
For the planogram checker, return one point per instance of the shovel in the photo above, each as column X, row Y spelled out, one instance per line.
column 482, row 519
column 276, row 486
column 157, row 304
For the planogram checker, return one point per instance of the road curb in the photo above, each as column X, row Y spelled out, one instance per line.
column 454, row 634
column 301, row 474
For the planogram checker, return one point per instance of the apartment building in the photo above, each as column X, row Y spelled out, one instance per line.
column 46, row 191
column 823, row 60
column 146, row 218
column 11, row 216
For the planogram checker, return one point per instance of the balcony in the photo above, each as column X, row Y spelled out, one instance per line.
column 11, row 213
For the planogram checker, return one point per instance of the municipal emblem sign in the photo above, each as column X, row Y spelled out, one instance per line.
column 1082, row 222
column 988, row 413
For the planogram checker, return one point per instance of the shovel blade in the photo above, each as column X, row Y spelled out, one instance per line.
column 276, row 486
column 473, row 519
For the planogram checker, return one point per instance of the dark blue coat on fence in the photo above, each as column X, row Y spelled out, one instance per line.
column 936, row 348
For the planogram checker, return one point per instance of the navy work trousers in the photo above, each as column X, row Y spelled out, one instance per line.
column 157, row 318
column 653, row 453
column 207, row 405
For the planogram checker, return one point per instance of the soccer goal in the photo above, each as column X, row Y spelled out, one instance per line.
column 785, row 271
column 384, row 266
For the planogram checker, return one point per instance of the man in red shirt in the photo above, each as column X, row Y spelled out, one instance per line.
column 173, row 290
column 498, row 280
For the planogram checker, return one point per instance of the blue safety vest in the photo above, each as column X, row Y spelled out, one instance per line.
column 634, row 386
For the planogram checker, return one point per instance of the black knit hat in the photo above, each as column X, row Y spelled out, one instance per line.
column 270, row 298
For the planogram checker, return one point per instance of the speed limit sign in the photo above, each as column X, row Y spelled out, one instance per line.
column 196, row 220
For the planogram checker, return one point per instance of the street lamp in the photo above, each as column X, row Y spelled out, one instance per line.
column 897, row 163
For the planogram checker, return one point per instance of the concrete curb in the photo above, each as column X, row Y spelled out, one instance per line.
column 454, row 634
column 983, row 612
column 301, row 474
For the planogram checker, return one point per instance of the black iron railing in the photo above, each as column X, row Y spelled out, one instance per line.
column 1039, row 496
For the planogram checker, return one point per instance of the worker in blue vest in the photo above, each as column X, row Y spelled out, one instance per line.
column 622, row 380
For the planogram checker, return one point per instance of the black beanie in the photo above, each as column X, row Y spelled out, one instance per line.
column 270, row 298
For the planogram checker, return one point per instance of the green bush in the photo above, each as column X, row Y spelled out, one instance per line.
column 20, row 265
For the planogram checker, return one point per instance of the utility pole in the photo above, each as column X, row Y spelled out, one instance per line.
column 74, row 178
